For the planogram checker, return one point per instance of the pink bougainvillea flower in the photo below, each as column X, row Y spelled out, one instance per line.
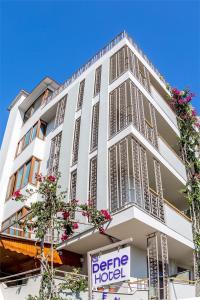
column 66, row 214
column 85, row 214
column 64, row 237
column 188, row 98
column 182, row 93
column 75, row 226
column 51, row 178
column 175, row 91
column 106, row 214
column 101, row 230
column 39, row 177
column 194, row 113
column 17, row 194
column 197, row 124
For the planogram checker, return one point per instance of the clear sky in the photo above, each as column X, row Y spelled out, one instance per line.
column 54, row 38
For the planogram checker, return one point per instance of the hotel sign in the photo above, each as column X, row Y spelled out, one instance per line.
column 111, row 267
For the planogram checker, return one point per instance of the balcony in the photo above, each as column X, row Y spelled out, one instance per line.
column 178, row 221
column 171, row 156
column 163, row 105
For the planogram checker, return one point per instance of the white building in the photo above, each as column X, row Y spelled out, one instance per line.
column 111, row 133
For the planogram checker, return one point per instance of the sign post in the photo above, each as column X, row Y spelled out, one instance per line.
column 108, row 269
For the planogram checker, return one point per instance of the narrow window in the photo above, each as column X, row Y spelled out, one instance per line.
column 76, row 141
column 81, row 94
column 10, row 188
column 19, row 176
column 73, row 185
column 93, row 181
column 27, row 139
column 54, row 156
column 60, row 111
column 42, row 130
column 97, row 84
column 27, row 168
column 95, row 127
column 35, row 170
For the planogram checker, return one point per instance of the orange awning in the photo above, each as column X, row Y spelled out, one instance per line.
column 28, row 247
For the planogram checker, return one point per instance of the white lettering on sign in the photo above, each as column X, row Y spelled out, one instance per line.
column 111, row 267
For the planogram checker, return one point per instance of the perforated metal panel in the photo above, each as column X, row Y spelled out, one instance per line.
column 76, row 141
column 73, row 185
column 60, row 112
column 95, row 127
column 54, row 154
column 97, row 83
column 93, row 181
column 81, row 94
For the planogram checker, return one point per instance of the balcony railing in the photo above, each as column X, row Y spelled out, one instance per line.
column 96, row 57
column 172, row 157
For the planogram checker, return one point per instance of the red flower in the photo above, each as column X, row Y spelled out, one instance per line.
column 66, row 214
column 64, row 237
column 17, row 194
column 51, row 178
column 85, row 214
column 175, row 91
column 106, row 214
column 194, row 113
column 75, row 226
column 39, row 177
column 101, row 230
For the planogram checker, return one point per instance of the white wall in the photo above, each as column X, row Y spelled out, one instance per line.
column 8, row 150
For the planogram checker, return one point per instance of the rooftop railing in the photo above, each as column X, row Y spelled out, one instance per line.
column 96, row 57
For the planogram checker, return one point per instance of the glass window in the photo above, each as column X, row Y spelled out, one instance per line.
column 26, row 173
column 35, row 171
column 42, row 130
column 27, row 139
column 19, row 178
column 34, row 131
column 28, row 113
column 37, row 103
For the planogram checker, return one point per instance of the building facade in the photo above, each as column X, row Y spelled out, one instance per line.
column 111, row 133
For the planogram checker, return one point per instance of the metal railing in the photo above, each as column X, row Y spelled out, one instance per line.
column 96, row 57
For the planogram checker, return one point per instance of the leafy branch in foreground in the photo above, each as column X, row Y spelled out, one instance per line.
column 53, row 214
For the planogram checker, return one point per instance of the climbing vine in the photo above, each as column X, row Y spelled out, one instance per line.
column 52, row 214
column 189, row 125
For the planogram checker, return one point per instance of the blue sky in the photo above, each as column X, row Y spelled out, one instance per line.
column 54, row 38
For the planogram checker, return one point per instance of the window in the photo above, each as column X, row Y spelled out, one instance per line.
column 36, row 104
column 93, row 181
column 81, row 94
column 60, row 112
column 124, row 60
column 73, row 185
column 97, row 84
column 38, row 130
column 54, row 154
column 11, row 227
column 95, row 127
column 123, row 107
column 76, row 141
column 26, row 174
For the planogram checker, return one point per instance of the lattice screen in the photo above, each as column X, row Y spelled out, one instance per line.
column 93, row 181
column 128, row 178
column 73, row 185
column 97, row 83
column 76, row 141
column 158, row 266
column 54, row 155
column 95, row 127
column 126, row 107
column 81, row 94
column 60, row 112
column 124, row 60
